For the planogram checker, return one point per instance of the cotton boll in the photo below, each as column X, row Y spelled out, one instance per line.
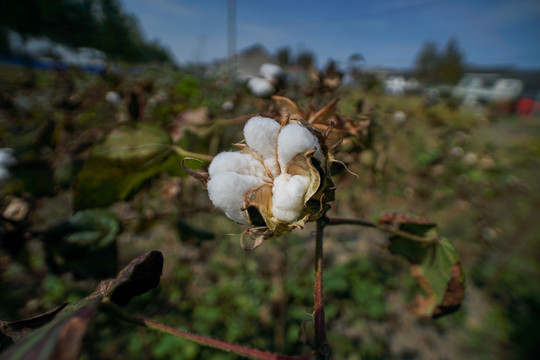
column 261, row 87
column 399, row 117
column 261, row 135
column 288, row 196
column 271, row 72
column 295, row 139
column 226, row 191
column 236, row 162
column 113, row 97
column 6, row 159
column 228, row 105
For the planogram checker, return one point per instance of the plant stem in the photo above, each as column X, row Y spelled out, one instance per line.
column 196, row 338
column 340, row 221
column 383, row 227
column 321, row 345
column 184, row 153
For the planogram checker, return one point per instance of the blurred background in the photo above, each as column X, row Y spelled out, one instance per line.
column 101, row 99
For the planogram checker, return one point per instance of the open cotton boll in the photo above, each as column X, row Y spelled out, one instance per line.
column 261, row 87
column 271, row 71
column 237, row 162
column 288, row 196
column 295, row 139
column 261, row 135
column 226, row 191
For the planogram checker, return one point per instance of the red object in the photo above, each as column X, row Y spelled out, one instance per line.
column 524, row 106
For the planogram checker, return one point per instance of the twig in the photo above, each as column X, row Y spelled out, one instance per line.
column 383, row 227
column 184, row 153
column 196, row 338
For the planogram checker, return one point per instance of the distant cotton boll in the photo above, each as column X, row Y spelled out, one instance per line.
column 456, row 152
column 462, row 136
column 271, row 72
column 408, row 193
column 261, row 135
column 16, row 210
column 261, row 87
column 437, row 170
column 7, row 159
column 470, row 158
column 489, row 233
column 236, row 162
column 486, row 163
column 288, row 196
column 226, row 191
column 399, row 117
column 295, row 139
column 113, row 97
column 228, row 105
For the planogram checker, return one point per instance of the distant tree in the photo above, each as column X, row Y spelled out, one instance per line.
column 354, row 63
column 305, row 59
column 356, row 58
column 284, row 56
column 451, row 63
column 434, row 66
column 427, row 63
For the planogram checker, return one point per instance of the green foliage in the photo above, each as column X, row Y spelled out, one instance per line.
column 262, row 298
column 85, row 244
column 118, row 167
column 60, row 330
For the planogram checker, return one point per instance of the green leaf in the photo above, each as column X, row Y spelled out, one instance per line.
column 85, row 244
column 59, row 333
column 132, row 143
column 434, row 263
column 128, row 157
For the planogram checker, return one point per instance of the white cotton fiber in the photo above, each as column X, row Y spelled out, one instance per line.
column 260, row 87
column 236, row 162
column 6, row 159
column 288, row 196
column 294, row 139
column 261, row 135
column 271, row 164
column 271, row 72
column 227, row 190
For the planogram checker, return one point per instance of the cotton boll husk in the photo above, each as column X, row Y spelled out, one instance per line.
column 261, row 135
column 288, row 196
column 294, row 139
column 227, row 190
column 261, row 87
column 237, row 162
column 271, row 71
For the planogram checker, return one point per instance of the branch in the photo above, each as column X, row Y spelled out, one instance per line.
column 184, row 153
column 199, row 339
column 383, row 227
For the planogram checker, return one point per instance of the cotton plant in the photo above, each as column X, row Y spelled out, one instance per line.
column 278, row 179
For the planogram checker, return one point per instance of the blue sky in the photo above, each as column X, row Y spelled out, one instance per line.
column 386, row 32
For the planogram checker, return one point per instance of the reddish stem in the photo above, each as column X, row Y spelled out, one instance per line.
column 220, row 344
column 321, row 346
